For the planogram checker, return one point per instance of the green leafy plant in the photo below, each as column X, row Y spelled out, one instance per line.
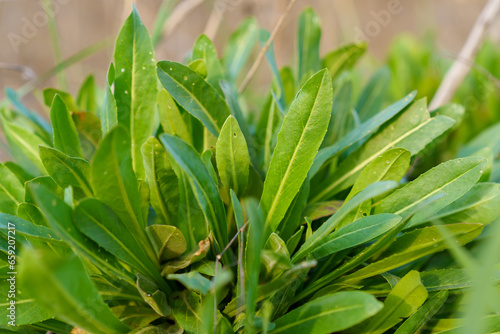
column 170, row 206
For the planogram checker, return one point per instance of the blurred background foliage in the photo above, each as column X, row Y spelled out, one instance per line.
column 410, row 46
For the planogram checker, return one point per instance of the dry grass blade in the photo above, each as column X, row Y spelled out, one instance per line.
column 263, row 51
column 455, row 75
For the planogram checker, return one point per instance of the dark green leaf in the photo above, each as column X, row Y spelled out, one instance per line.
column 201, row 182
column 153, row 296
column 357, row 233
column 194, row 94
column 65, row 170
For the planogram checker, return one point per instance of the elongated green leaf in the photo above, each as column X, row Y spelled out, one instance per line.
column 255, row 244
column 479, row 205
column 202, row 184
column 11, row 191
column 415, row 245
column 343, row 58
column 15, row 100
column 18, row 171
column 233, row 160
column 319, row 236
column 65, row 170
column 357, row 233
column 23, row 146
column 374, row 94
column 99, row 223
column 295, row 213
column 60, row 218
column 278, row 90
column 61, row 284
column 109, row 112
column 194, row 94
column 65, row 135
column 231, row 94
column 424, row 313
column 135, row 84
column 446, row 279
column 205, row 49
column 114, row 182
column 309, row 34
column 162, row 181
column 298, row 141
column 27, row 310
column 412, row 130
column 25, row 228
column 363, row 255
column 170, row 116
column 240, row 46
column 342, row 110
column 329, row 314
column 361, row 132
column 453, row 178
column 391, row 165
column 404, row 300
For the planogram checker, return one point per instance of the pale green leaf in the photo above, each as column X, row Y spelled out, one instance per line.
column 298, row 141
column 329, row 314
column 404, row 300
column 135, row 84
column 233, row 160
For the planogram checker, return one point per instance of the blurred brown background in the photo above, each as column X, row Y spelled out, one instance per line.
column 82, row 23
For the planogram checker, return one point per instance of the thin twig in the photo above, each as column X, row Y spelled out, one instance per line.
column 214, row 21
column 474, row 65
column 217, row 261
column 263, row 51
column 460, row 68
column 27, row 72
column 179, row 13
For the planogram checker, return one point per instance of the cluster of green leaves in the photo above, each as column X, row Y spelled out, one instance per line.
column 169, row 205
